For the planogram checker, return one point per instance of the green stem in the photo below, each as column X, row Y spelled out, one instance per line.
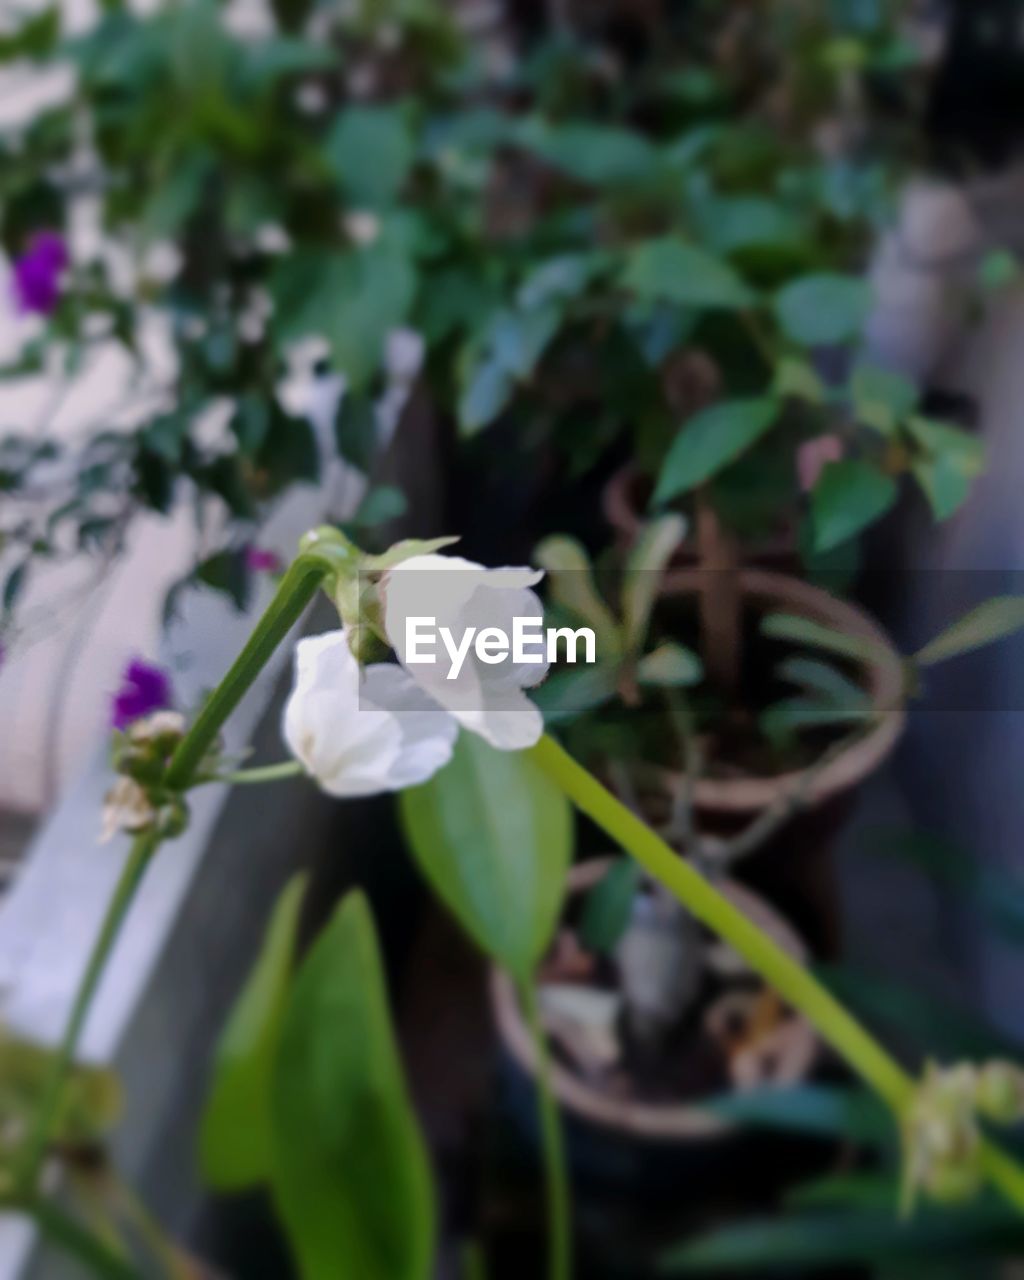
column 72, row 1238
column 789, row 978
column 143, row 848
column 265, row 773
column 295, row 591
column 297, row 588
column 556, row 1173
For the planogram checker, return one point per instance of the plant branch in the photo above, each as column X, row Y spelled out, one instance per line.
column 556, row 1174
column 263, row 773
column 790, row 979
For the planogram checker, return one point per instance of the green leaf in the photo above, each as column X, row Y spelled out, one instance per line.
column 370, row 150
column 670, row 270
column 781, row 720
column 351, row 1179
column 571, row 691
column 235, row 1138
column 671, row 665
column 487, row 391
column 226, row 572
column 711, row 440
column 405, row 550
column 795, row 379
column 733, row 223
column 571, row 587
column 805, row 631
column 653, row 550
column 823, row 310
column 174, row 200
column 598, row 155
column 494, row 837
column 949, row 461
column 559, row 279
column 352, row 299
column 608, row 906
column 829, row 1111
column 842, row 1238
column 848, row 497
column 997, row 269
column 355, row 430
column 825, row 680
column 379, row 505
column 881, row 399
column 996, row 618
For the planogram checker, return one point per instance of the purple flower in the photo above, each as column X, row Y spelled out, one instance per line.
column 37, row 272
column 260, row 560
column 144, row 688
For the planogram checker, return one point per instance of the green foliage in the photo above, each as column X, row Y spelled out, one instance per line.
column 608, row 906
column 711, row 440
column 494, row 837
column 351, row 1179
column 235, row 1142
column 670, row 270
column 823, row 310
column 847, row 498
column 308, row 1098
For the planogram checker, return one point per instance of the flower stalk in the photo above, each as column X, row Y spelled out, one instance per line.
column 797, row 986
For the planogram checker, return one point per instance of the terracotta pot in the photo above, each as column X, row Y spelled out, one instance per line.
column 624, row 501
column 677, row 1123
column 746, row 797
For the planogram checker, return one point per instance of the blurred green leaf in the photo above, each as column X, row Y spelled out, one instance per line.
column 226, row 572
column 881, row 399
column 351, row 1179
column 805, row 631
column 352, row 299
column 991, row 621
column 949, row 462
column 599, row 155
column 670, row 665
column 796, row 379
column 571, row 587
column 371, row 151
column 608, row 906
column 659, row 540
column 235, row 1135
column 670, row 270
column 712, row 439
column 998, row 268
column 494, row 837
column 380, row 504
column 827, row 1111
column 823, row 310
column 825, row 680
column 570, row 691
column 848, row 496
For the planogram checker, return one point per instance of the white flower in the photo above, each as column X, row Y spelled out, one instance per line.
column 360, row 731
column 126, row 807
column 486, row 698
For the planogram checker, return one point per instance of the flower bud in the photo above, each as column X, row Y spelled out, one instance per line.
column 1000, row 1092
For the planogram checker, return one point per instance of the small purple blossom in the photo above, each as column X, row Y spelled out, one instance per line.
column 261, row 560
column 144, row 688
column 37, row 273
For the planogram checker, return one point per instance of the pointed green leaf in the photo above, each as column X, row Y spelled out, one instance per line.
column 797, row 380
column 881, row 398
column 608, row 906
column 351, row 1179
column 494, row 837
column 405, row 550
column 235, row 1137
column 800, row 630
column 644, row 568
column 570, row 691
column 991, row 621
column 711, row 440
column 950, row 459
column 825, row 680
column 571, row 585
column 823, row 310
column 671, row 665
column 847, row 498
column 670, row 270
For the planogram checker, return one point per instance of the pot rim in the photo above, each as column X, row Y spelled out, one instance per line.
column 884, row 686
column 648, row 1121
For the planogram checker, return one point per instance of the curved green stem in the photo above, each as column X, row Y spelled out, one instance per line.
column 556, row 1172
column 295, row 591
column 73, row 1238
column 264, row 773
column 789, row 978
column 297, row 588
column 142, row 850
